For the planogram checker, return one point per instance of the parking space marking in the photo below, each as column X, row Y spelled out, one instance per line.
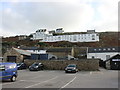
column 41, row 82
column 68, row 83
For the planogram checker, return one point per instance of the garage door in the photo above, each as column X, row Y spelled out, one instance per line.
column 11, row 58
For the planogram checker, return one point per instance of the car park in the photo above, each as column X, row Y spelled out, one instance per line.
column 21, row 66
column 71, row 68
column 8, row 71
column 36, row 67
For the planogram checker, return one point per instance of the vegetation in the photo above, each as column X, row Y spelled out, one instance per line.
column 42, row 44
column 107, row 39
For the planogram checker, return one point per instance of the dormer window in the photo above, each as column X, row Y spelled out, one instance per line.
column 113, row 48
column 104, row 49
column 95, row 49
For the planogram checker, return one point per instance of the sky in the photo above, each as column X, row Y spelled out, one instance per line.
column 23, row 17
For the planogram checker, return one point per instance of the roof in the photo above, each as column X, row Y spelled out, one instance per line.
column 115, row 57
column 6, row 63
column 23, row 49
column 103, row 49
column 59, row 49
column 24, row 52
column 31, row 48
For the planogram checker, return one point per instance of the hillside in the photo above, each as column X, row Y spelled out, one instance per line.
column 107, row 39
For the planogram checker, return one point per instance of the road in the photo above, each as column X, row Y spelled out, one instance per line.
column 60, row 79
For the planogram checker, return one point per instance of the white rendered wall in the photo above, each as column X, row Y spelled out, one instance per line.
column 37, row 51
column 102, row 56
column 70, row 38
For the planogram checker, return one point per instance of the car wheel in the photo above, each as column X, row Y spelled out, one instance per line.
column 41, row 68
column 13, row 78
column 66, row 72
column 37, row 69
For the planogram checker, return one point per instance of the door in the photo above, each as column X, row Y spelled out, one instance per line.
column 11, row 58
column 115, row 65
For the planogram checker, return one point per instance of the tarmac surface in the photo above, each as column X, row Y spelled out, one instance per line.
column 60, row 79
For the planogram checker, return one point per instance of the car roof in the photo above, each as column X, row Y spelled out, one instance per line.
column 7, row 63
column 72, row 64
column 37, row 63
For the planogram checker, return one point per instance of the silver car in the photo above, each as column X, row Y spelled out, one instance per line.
column 71, row 68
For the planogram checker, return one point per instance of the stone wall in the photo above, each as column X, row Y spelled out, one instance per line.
column 12, row 52
column 83, row 65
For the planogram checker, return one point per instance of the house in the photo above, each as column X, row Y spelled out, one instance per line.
column 16, row 55
column 22, row 37
column 113, row 62
column 19, row 55
column 60, row 52
column 47, row 53
column 51, row 53
column 14, row 38
column 35, row 50
column 103, row 53
column 43, row 36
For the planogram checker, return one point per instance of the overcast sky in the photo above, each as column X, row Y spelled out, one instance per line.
column 19, row 17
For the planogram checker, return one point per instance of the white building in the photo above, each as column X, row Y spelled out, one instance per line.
column 102, row 53
column 29, row 51
column 48, row 37
column 34, row 50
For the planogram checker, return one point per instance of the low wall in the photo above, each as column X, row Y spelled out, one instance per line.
column 84, row 65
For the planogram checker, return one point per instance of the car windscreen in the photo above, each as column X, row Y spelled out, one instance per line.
column 2, row 67
column 18, row 64
column 35, row 64
column 71, row 66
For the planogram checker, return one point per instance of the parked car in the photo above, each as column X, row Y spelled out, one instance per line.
column 8, row 71
column 21, row 66
column 36, row 67
column 71, row 68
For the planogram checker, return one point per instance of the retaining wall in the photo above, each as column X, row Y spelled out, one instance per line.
column 84, row 65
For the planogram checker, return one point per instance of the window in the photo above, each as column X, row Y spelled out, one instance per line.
column 108, row 48
column 93, row 38
column 33, row 50
column 95, row 49
column 107, row 57
column 45, row 38
column 93, row 57
column 99, row 49
column 74, row 38
column 93, row 35
column 104, row 49
column 59, row 37
column 113, row 48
